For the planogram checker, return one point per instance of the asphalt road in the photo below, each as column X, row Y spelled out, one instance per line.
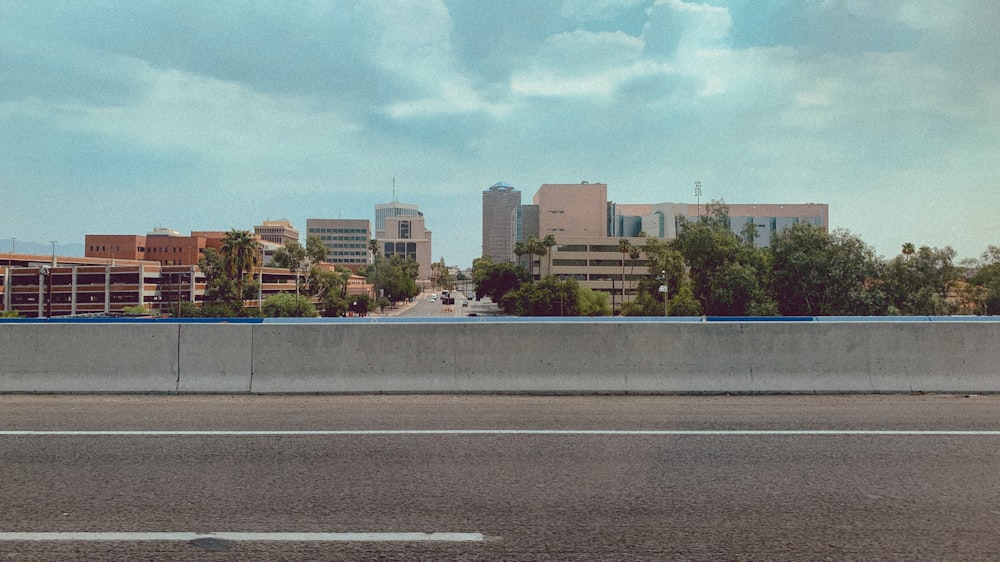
column 544, row 478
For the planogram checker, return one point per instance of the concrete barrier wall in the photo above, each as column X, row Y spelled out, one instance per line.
column 88, row 358
column 532, row 357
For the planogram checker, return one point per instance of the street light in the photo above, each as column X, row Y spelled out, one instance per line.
column 697, row 193
column 663, row 289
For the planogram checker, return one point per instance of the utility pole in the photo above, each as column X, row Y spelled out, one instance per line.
column 697, row 194
column 663, row 289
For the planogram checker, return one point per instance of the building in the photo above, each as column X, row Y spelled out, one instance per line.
column 163, row 245
column 587, row 228
column 662, row 220
column 572, row 209
column 405, row 236
column 501, row 221
column 38, row 286
column 345, row 239
column 277, row 231
column 392, row 210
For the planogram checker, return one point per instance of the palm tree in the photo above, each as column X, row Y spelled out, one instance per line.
column 520, row 248
column 547, row 243
column 373, row 248
column 624, row 246
column 242, row 256
column 909, row 249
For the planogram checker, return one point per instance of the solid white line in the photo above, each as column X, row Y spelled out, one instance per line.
column 611, row 432
column 241, row 536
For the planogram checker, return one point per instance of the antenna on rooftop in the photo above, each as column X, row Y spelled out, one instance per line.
column 393, row 189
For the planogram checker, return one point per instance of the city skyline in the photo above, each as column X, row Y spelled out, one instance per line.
column 115, row 118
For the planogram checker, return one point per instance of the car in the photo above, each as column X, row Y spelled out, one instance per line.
column 434, row 296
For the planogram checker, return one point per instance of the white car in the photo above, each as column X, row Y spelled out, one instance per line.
column 434, row 296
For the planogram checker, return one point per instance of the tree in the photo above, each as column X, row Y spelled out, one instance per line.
column 548, row 297
column 292, row 256
column 534, row 247
column 242, row 256
column 547, row 244
column 623, row 246
column 988, row 278
column 666, row 267
column 494, row 280
column 821, row 274
column 286, row 305
column 219, row 287
column 316, row 250
column 729, row 276
column 373, row 249
column 592, row 303
column 920, row 283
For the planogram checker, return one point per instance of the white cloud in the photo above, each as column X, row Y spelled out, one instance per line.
column 580, row 64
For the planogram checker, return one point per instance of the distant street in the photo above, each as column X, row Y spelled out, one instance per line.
column 424, row 306
column 499, row 477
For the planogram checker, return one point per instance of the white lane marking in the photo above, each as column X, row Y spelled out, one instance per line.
column 612, row 432
column 241, row 536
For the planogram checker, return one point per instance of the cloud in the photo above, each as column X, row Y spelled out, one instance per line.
column 309, row 108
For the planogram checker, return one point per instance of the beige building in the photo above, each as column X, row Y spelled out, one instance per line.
column 572, row 209
column 406, row 236
column 587, row 229
column 277, row 231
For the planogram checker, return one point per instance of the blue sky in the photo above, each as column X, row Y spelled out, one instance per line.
column 120, row 116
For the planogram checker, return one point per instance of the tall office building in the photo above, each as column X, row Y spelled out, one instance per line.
column 394, row 209
column 572, row 209
column 501, row 221
column 346, row 239
column 405, row 236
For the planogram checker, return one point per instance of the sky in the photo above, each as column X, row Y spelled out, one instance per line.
column 120, row 116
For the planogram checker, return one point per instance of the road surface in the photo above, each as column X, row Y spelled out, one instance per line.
column 499, row 478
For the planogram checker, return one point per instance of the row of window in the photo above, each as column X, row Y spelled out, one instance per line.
column 599, row 263
column 338, row 231
column 153, row 250
column 355, row 238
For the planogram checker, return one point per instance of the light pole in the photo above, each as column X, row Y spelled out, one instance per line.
column 663, row 289
column 10, row 258
column 697, row 194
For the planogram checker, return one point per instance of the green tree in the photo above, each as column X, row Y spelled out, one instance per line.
column 729, row 276
column 494, row 280
column 546, row 245
column 920, row 283
column 593, row 303
column 624, row 246
column 988, row 278
column 548, row 297
column 287, row 305
column 291, row 256
column 242, row 256
column 219, row 286
column 821, row 274
column 316, row 250
column 667, row 268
